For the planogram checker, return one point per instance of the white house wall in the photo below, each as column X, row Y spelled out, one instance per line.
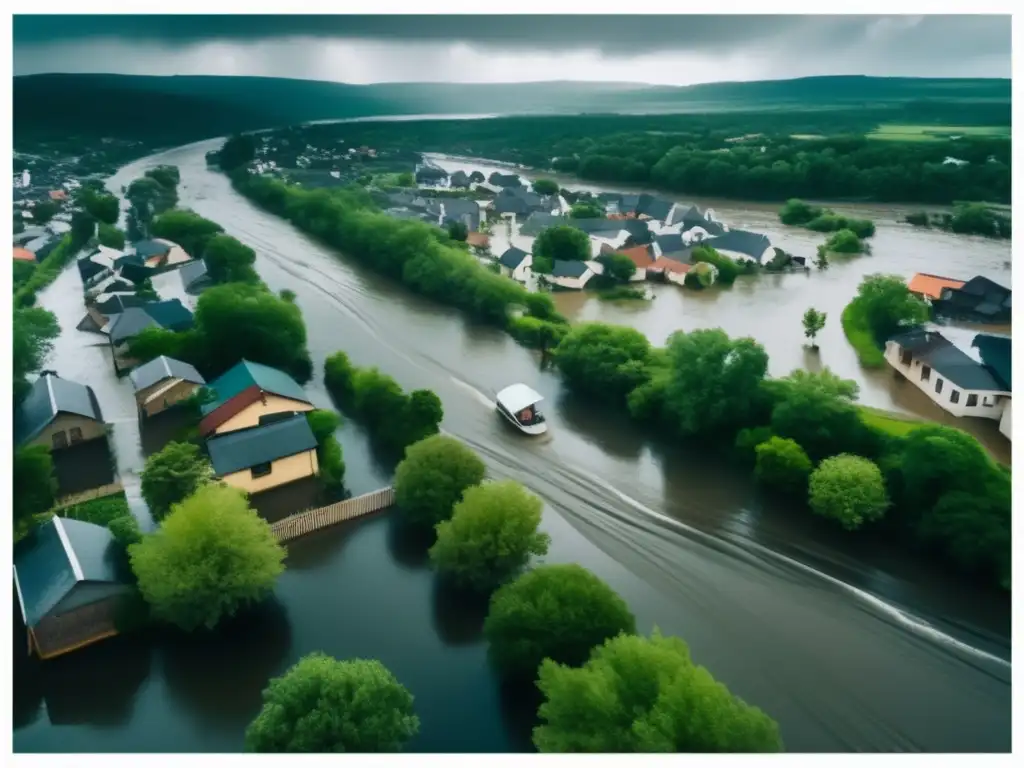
column 990, row 404
column 1006, row 420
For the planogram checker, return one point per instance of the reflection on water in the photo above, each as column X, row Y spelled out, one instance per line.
column 458, row 613
column 409, row 544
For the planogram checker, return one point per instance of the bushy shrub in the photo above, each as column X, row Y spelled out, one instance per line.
column 783, row 464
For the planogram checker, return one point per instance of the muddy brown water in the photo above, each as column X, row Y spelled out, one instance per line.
column 850, row 645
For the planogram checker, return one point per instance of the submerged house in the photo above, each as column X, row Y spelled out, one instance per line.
column 642, row 258
column 268, row 455
column 742, row 244
column 431, row 174
column 158, row 253
column 516, row 263
column 929, row 287
column 571, row 275
column 58, row 413
column 171, row 315
column 162, row 383
column 70, row 585
column 194, row 276
column 955, row 381
column 979, row 299
column 248, row 395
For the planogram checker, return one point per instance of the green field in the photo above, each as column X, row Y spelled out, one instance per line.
column 896, row 132
column 895, row 424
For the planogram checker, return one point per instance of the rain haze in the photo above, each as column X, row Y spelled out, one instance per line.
column 667, row 50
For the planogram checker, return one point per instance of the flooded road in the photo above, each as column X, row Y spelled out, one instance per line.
column 849, row 645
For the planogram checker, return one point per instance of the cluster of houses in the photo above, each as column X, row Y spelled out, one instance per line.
column 972, row 380
column 37, row 239
column 658, row 235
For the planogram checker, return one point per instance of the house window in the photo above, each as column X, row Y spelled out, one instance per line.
column 261, row 470
column 60, row 440
column 926, row 373
column 906, row 357
column 954, row 395
column 938, row 386
column 986, row 402
column 972, row 400
column 76, row 435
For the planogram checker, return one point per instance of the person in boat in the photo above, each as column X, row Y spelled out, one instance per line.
column 526, row 416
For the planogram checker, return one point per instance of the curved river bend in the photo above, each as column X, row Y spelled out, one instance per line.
column 849, row 646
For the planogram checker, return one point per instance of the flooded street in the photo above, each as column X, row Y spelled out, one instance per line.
column 849, row 645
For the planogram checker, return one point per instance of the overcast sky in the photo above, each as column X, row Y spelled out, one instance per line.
column 671, row 50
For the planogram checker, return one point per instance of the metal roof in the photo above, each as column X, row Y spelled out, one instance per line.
column 162, row 368
column 568, row 268
column 170, row 314
column 512, row 258
column 245, row 375
column 518, row 396
column 192, row 271
column 935, row 350
column 49, row 396
column 245, row 448
column 56, row 557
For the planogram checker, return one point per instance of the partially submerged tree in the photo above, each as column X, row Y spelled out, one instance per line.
column 325, row 705
column 432, row 478
column 491, row 536
column 636, row 694
column 173, row 474
column 212, row 556
column 849, row 489
column 814, row 321
column 557, row 612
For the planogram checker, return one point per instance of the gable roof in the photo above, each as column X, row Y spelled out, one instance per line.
column 23, row 254
column 538, row 222
column 170, row 314
column 934, row 349
column 245, row 448
column 55, row 558
column 996, row 353
column 513, row 257
column 568, row 268
column 114, row 303
column 49, row 396
column 670, row 243
column 192, row 272
column 655, row 207
column 246, row 374
column 161, row 368
column 932, row 285
column 752, row 244
column 982, row 286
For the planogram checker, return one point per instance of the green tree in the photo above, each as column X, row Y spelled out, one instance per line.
column 238, row 320
column 557, row 612
column 44, row 210
column 562, row 243
column 23, row 271
column 210, row 557
column 888, row 305
column 587, row 210
column 186, row 228
column 535, row 333
column 727, row 269
column 844, row 241
column 406, row 180
column 848, row 489
column 432, row 478
column 821, row 259
column 797, row 212
column 618, row 267
column 814, row 321
column 110, row 236
column 783, row 464
column 491, row 535
column 329, row 454
column 167, row 176
column 458, row 231
column 104, row 207
column 640, row 695
column 545, row 187
column 237, row 151
column 339, row 374
column 713, row 380
column 34, row 484
column 229, row 261
column 323, row 705
column 83, row 226
column 33, row 332
column 604, row 361
column 423, row 414
column 173, row 474
column 125, row 530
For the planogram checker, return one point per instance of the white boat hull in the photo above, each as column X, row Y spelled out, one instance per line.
column 526, row 429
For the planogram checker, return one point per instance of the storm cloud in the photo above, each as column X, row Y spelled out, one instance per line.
column 656, row 49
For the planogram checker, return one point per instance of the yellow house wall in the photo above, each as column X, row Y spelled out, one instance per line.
column 180, row 391
column 250, row 417
column 91, row 429
column 282, row 471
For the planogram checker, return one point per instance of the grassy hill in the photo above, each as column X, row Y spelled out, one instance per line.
column 192, row 107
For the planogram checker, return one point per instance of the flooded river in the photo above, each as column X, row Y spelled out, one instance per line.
column 849, row 645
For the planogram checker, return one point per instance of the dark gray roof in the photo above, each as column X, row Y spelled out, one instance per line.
column 49, row 396
column 655, row 207
column 148, row 248
column 245, row 448
column 996, row 353
column 170, row 314
column 568, row 269
column 982, row 286
column 935, row 350
column 39, row 243
column 511, row 204
column 56, row 557
column 513, row 257
column 752, row 244
column 538, row 222
column 118, row 303
column 162, row 368
column 670, row 244
column 192, row 272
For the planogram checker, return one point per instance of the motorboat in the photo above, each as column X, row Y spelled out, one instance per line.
column 518, row 404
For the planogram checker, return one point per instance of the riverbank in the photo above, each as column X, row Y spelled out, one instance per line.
column 689, row 543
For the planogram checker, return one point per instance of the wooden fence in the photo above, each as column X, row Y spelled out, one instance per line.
column 89, row 495
column 301, row 523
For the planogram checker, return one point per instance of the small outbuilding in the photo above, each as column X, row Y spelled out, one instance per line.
column 70, row 584
column 163, row 383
